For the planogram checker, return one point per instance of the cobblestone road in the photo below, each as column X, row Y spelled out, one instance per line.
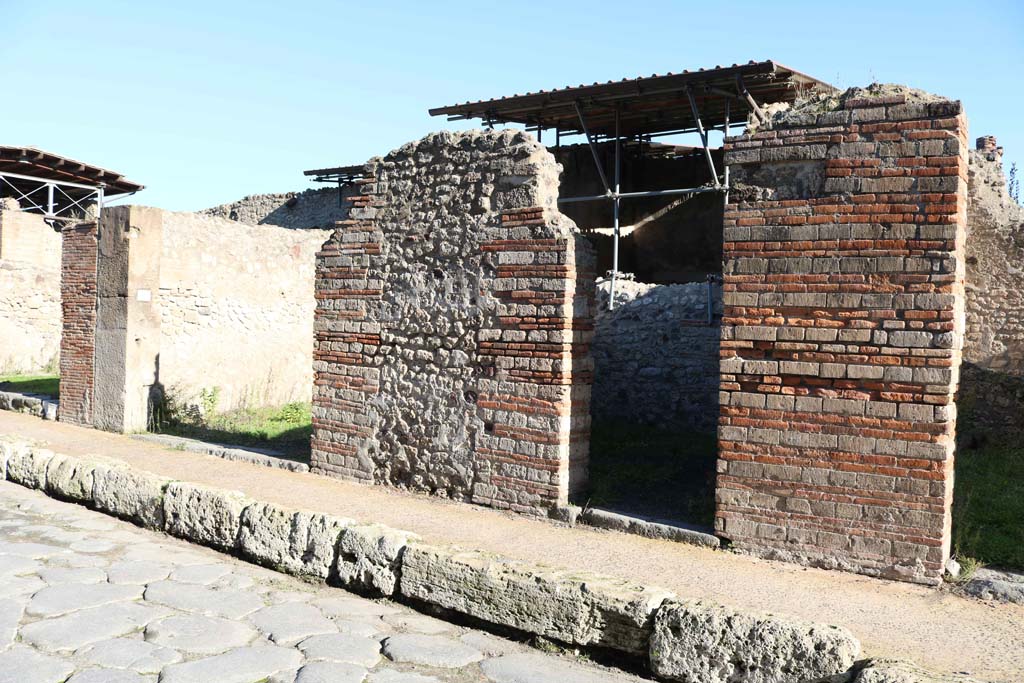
column 85, row 598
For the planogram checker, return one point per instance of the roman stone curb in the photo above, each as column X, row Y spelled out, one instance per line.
column 573, row 607
column 614, row 521
column 893, row 671
column 689, row 641
column 265, row 457
column 31, row 404
column 700, row 642
column 208, row 516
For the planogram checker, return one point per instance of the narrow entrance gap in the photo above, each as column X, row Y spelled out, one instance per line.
column 654, row 404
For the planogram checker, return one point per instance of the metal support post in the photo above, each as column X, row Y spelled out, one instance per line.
column 703, row 137
column 725, row 134
column 742, row 90
column 593, row 148
column 49, row 199
column 615, row 212
column 710, row 306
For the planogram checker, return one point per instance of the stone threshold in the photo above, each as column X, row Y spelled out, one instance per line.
column 649, row 527
column 40, row 405
column 676, row 639
column 254, row 456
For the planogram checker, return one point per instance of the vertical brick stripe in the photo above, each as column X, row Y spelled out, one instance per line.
column 78, row 308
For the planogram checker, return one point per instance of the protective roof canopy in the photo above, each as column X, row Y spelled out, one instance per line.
column 29, row 161
column 646, row 105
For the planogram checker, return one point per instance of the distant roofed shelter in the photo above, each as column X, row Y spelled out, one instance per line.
column 60, row 188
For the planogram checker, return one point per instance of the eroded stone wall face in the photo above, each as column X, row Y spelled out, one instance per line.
column 236, row 311
column 452, row 327
column 78, row 310
column 842, row 334
column 995, row 268
column 656, row 355
column 319, row 208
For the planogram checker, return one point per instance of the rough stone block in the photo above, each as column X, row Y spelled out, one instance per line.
column 204, row 515
column 571, row 607
column 26, row 465
column 698, row 642
column 315, row 542
column 896, row 671
column 264, row 534
column 370, row 558
column 71, row 478
column 130, row 494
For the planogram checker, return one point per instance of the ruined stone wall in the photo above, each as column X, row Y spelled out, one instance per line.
column 842, row 333
column 29, row 317
column 307, row 209
column 29, row 291
column 236, row 310
column 26, row 237
column 452, row 327
column 656, row 355
column 995, row 268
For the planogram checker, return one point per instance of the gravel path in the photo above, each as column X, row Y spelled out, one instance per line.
column 85, row 598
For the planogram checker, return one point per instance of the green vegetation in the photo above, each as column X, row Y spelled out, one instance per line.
column 284, row 428
column 988, row 505
column 47, row 385
column 666, row 474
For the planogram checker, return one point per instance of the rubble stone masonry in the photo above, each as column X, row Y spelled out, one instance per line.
column 452, row 327
column 842, row 335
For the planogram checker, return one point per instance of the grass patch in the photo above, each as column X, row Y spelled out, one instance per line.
column 988, row 505
column 284, row 428
column 666, row 474
column 48, row 385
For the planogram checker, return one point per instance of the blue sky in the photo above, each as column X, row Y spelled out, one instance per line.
column 204, row 102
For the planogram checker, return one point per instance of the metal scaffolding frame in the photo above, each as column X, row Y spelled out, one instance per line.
column 60, row 189
column 613, row 191
column 54, row 206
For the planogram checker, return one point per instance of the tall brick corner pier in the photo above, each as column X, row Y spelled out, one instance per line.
column 842, row 335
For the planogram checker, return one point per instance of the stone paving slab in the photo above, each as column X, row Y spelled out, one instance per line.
column 149, row 628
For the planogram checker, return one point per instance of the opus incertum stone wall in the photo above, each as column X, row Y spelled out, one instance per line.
column 842, row 333
column 452, row 327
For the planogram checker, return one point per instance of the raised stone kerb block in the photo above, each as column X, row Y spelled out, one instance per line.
column 294, row 541
column 26, row 464
column 697, row 642
column 71, row 478
column 571, row 607
column 130, row 494
column 204, row 515
column 370, row 558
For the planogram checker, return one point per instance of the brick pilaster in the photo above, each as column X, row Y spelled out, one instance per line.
column 842, row 335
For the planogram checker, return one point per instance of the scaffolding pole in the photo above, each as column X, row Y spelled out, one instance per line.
column 616, row 195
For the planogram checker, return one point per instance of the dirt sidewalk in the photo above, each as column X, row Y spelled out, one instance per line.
column 941, row 631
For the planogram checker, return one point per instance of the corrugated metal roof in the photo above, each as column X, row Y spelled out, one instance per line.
column 38, row 163
column 646, row 104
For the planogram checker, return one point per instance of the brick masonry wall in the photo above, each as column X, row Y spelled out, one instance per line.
column 78, row 311
column 842, row 334
column 452, row 327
